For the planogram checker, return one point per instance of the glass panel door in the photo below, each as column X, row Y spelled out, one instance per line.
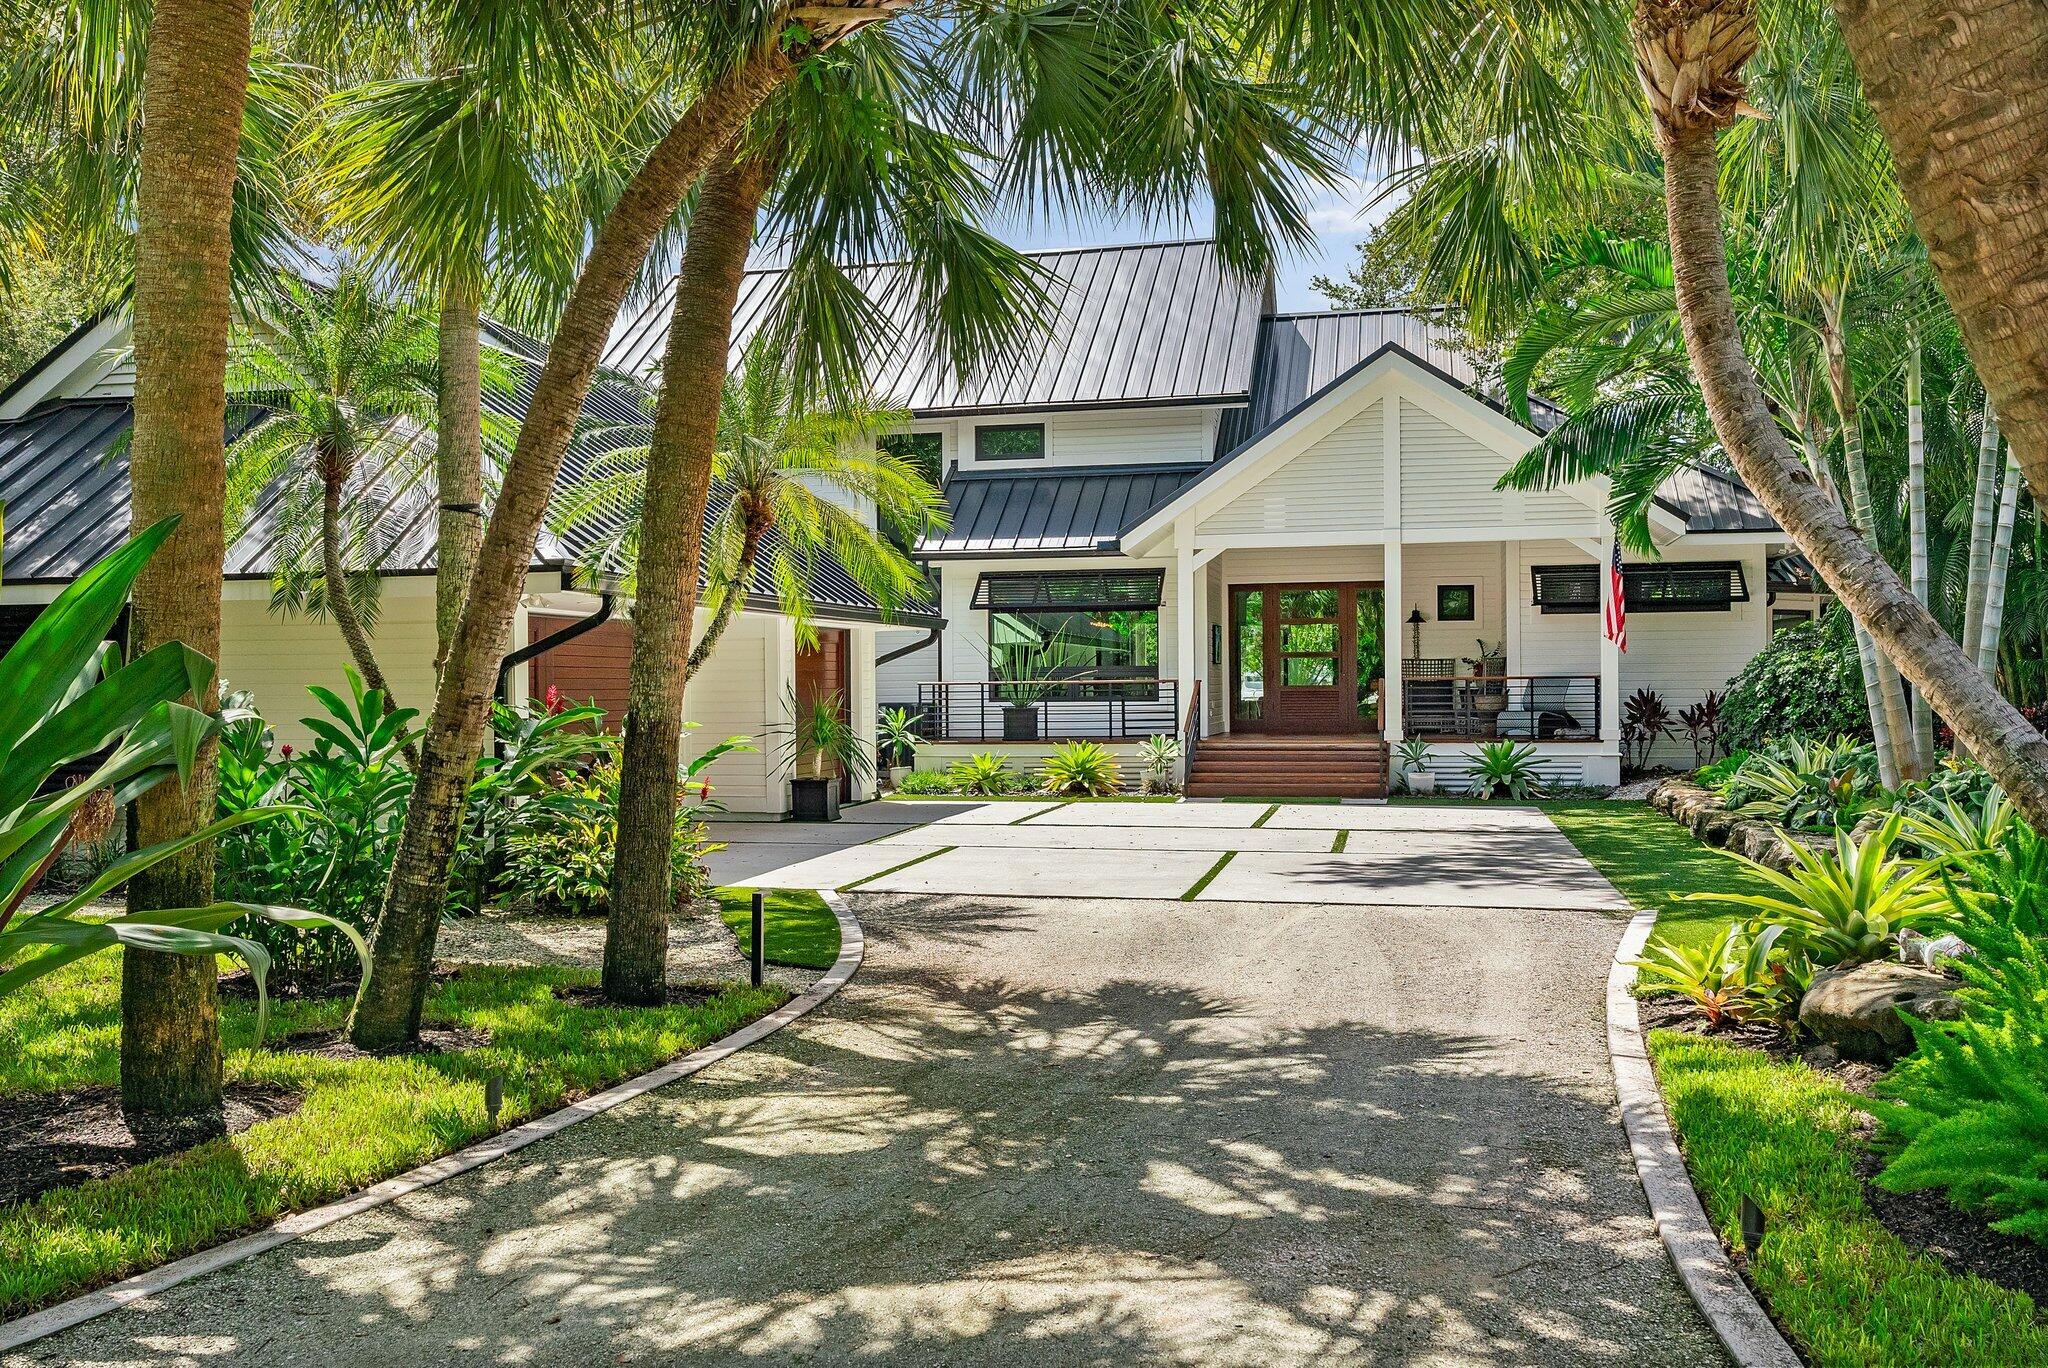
column 1248, row 657
column 1371, row 654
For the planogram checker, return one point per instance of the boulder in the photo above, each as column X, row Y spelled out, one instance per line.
column 1716, row 827
column 1856, row 1010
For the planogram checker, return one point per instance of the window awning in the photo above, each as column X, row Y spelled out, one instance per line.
column 1070, row 590
column 1691, row 587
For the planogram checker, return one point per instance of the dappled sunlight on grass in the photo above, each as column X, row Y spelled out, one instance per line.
column 1654, row 862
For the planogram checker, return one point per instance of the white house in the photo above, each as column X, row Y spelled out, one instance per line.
column 1279, row 536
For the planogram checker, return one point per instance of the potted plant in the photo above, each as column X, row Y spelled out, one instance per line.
column 1491, row 664
column 1025, row 680
column 822, row 747
column 896, row 745
column 1412, row 766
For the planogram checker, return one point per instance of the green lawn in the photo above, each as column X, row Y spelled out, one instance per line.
column 801, row 931
column 1846, row 1289
column 360, row 1121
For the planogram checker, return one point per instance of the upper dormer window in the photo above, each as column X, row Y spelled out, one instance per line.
column 925, row 450
column 1010, row 442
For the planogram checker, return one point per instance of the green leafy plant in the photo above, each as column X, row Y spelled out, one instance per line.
column 1969, row 1108
column 1808, row 785
column 928, row 782
column 1159, row 755
column 823, row 742
column 519, row 783
column 986, row 775
column 65, row 695
column 1718, row 775
column 898, row 736
column 1734, row 977
column 563, row 857
column 1082, row 769
column 1844, row 906
column 1952, row 829
column 1805, row 682
column 1030, row 671
column 1410, row 757
column 1505, row 769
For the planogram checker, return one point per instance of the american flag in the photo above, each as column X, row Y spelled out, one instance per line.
column 1615, row 613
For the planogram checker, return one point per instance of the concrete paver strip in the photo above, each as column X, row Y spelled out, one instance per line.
column 1176, row 815
column 1043, row 835
column 1408, row 817
column 1469, row 878
column 1029, row 871
column 1045, row 1132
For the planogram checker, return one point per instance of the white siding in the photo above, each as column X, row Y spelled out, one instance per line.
column 1552, row 643
column 896, row 682
column 739, row 692
column 1337, row 485
column 1447, row 477
column 277, row 656
column 1093, row 437
column 1682, row 655
column 1424, row 566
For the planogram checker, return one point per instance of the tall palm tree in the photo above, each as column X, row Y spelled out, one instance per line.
column 338, row 377
column 769, row 517
column 1690, row 58
column 195, row 78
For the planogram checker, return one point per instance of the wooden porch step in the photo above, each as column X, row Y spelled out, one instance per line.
column 1270, row 788
column 1290, row 767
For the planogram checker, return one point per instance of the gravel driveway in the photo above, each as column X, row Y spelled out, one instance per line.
column 1046, row 1132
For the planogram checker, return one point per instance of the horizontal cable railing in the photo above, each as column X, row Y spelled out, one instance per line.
column 1048, row 709
column 1520, row 707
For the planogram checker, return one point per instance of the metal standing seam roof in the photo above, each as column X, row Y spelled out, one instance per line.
column 64, row 479
column 1155, row 323
column 1056, row 511
column 1714, row 501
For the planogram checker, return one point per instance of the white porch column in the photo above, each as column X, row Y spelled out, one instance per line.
column 1187, row 650
column 1395, row 598
column 1610, row 654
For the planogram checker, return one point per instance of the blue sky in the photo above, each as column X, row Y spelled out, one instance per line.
column 1338, row 215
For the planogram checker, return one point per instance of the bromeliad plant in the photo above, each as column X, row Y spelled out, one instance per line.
column 1846, row 906
column 1505, row 769
column 1809, row 785
column 1738, row 977
column 65, row 697
column 1082, row 769
column 986, row 775
column 1159, row 755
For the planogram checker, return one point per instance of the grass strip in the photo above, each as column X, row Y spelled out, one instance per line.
column 1020, row 821
column 1266, row 816
column 884, row 873
column 360, row 1121
column 1653, row 860
column 1337, row 846
column 1846, row 1289
column 800, row 931
column 1208, row 878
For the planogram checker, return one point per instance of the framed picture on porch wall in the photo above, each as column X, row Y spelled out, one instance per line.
column 1455, row 603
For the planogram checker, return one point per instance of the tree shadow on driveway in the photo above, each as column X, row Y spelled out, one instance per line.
column 950, row 1165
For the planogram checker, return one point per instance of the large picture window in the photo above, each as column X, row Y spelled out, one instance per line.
column 1072, row 624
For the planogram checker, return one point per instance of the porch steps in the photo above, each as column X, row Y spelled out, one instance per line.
column 1289, row 767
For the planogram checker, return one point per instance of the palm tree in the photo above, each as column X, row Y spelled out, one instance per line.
column 195, row 79
column 340, row 378
column 1920, row 60
column 1690, row 57
column 770, row 518
column 1916, row 516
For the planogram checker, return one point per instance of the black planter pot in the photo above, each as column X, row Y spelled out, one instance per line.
column 814, row 800
column 1020, row 722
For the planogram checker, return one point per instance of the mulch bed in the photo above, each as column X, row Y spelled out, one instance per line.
column 59, row 1140
column 433, row 1040
column 242, row 988
column 679, row 995
column 1925, row 1222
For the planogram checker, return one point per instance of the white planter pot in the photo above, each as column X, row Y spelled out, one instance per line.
column 1421, row 781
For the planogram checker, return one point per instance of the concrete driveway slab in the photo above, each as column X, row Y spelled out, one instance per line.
column 1407, row 817
column 1031, row 872
column 806, row 867
column 1466, row 874
column 1169, row 815
column 1045, row 836
column 1041, row 1134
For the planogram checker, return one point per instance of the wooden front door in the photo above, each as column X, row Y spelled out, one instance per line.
column 827, row 671
column 1305, row 658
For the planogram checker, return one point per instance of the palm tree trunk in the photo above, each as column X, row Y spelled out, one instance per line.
column 1957, row 88
column 334, row 577
column 1916, row 517
column 729, row 606
column 1689, row 114
column 1983, row 506
column 388, row 1010
column 680, row 452
column 1890, row 726
column 458, row 457
column 1995, row 580
column 193, row 89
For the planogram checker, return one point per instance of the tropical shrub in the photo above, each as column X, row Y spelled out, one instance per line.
column 1645, row 720
column 330, row 849
column 1703, row 726
column 1505, row 769
column 1808, row 785
column 1718, row 775
column 1969, row 1108
column 929, row 782
column 1159, row 755
column 520, row 776
column 1082, row 769
column 1805, row 682
column 821, row 743
column 562, row 858
column 1953, row 829
column 986, row 775
column 66, row 696
column 898, row 736
column 1737, row 977
column 1844, row 906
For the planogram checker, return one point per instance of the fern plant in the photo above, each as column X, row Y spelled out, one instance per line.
column 1082, row 769
column 1844, row 906
column 1968, row 1110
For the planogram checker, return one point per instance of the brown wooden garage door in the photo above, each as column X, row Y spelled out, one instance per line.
column 590, row 669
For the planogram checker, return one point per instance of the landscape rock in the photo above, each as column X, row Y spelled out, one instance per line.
column 1856, row 1010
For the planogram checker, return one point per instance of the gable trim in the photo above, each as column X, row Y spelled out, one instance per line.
column 81, row 348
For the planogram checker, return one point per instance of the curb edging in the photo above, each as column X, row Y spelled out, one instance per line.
column 1731, row 1308
column 88, row 1306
